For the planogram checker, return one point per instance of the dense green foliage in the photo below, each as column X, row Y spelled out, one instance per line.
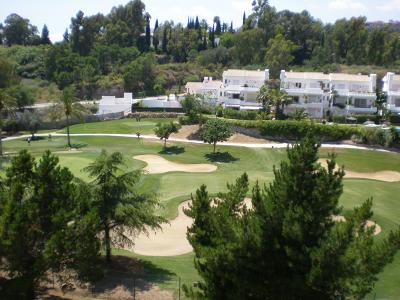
column 46, row 224
column 122, row 49
column 119, row 205
column 164, row 130
column 287, row 246
column 214, row 131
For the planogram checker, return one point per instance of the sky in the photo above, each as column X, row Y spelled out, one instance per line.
column 56, row 14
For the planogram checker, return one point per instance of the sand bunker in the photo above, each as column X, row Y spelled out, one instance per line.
column 157, row 165
column 388, row 176
column 170, row 240
column 369, row 224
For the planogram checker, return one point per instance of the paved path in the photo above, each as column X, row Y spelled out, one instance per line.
column 152, row 137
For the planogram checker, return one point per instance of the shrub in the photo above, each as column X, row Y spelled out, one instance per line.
column 377, row 136
column 295, row 130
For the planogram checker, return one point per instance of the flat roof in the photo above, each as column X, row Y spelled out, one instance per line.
column 244, row 73
column 348, row 77
column 307, row 75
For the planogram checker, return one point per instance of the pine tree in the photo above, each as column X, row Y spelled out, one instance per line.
column 231, row 28
column 46, row 225
column 197, row 24
column 287, row 246
column 44, row 39
column 244, row 18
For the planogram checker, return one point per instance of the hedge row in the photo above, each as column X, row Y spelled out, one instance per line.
column 294, row 130
column 245, row 114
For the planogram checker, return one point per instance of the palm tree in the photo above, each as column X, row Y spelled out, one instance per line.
column 120, row 207
column 68, row 106
column 381, row 99
column 273, row 96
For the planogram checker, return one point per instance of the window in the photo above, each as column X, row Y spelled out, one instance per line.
column 397, row 102
column 361, row 103
column 235, row 96
column 296, row 99
column 298, row 85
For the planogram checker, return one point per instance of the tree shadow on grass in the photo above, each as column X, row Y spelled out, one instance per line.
column 221, row 157
column 173, row 150
column 131, row 273
column 78, row 146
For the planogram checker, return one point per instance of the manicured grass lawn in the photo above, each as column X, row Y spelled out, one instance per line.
column 365, row 161
column 175, row 187
column 128, row 126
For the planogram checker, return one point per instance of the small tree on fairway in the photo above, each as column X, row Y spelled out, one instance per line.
column 287, row 246
column 164, row 130
column 46, row 224
column 120, row 207
column 216, row 130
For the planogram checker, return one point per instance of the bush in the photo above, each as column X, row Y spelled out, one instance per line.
column 295, row 130
column 245, row 114
column 191, row 120
column 12, row 126
column 377, row 136
column 360, row 118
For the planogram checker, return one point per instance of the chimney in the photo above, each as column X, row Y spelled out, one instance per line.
column 372, row 80
column 283, row 75
column 266, row 74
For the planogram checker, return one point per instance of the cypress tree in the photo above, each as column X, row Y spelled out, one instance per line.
column 155, row 37
column 164, row 43
column 197, row 23
column 244, row 18
column 66, row 36
column 231, row 28
column 212, row 36
column 148, row 36
column 44, row 39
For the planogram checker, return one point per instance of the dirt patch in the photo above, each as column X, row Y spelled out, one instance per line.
column 368, row 224
column 388, row 176
column 246, row 139
column 170, row 240
column 158, row 165
column 189, row 132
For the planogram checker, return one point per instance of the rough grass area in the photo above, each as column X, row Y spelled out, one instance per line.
column 175, row 187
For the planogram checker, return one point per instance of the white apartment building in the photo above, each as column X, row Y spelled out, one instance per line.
column 340, row 93
column 391, row 86
column 240, row 88
column 210, row 89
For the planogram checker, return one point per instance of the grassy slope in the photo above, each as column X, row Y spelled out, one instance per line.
column 127, row 126
column 176, row 187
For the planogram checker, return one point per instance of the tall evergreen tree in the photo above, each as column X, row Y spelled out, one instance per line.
column 120, row 206
column 66, row 36
column 164, row 43
column 148, row 35
column 44, row 39
column 244, row 18
column 231, row 28
column 46, row 225
column 197, row 24
column 288, row 245
column 155, row 36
